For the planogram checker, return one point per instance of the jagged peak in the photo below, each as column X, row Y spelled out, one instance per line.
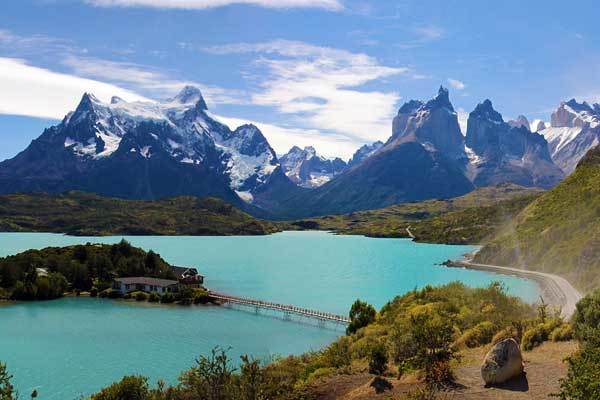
column 295, row 149
column 520, row 121
column 486, row 110
column 410, row 106
column 442, row 99
column 190, row 95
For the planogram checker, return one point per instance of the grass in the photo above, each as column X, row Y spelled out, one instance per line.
column 467, row 219
column 85, row 214
column 559, row 232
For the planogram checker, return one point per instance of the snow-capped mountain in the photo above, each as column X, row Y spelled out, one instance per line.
column 423, row 159
column 364, row 152
column 501, row 152
column 177, row 137
column 308, row 169
column 574, row 129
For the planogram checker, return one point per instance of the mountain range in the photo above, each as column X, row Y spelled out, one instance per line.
column 150, row 150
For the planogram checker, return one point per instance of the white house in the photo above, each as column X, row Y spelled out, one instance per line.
column 144, row 284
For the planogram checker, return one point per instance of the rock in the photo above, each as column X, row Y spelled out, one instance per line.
column 503, row 362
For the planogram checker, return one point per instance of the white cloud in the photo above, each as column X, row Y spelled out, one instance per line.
column 39, row 92
column 283, row 138
column 318, row 86
column 332, row 5
column 145, row 79
column 429, row 32
column 456, row 84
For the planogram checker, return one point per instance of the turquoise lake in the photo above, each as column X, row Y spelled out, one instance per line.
column 72, row 347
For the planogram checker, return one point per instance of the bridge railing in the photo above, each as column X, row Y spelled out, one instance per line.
column 286, row 308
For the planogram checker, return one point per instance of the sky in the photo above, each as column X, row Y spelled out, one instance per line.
column 327, row 73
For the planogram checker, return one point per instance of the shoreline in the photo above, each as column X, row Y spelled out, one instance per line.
column 555, row 290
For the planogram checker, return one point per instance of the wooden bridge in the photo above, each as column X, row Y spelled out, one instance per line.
column 284, row 308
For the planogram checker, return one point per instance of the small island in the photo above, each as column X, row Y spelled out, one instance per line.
column 112, row 271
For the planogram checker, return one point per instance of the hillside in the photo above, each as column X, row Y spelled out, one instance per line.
column 465, row 219
column 559, row 232
column 81, row 214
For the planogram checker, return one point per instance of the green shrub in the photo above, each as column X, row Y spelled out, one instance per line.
column 141, row 296
column 128, row 296
column 562, row 333
column 94, row 292
column 361, row 314
column 586, row 321
column 506, row 333
column 167, row 298
column 479, row 335
column 583, row 379
column 130, row 388
column 337, row 354
column 321, row 373
column 153, row 298
column 378, row 360
column 539, row 333
column 201, row 296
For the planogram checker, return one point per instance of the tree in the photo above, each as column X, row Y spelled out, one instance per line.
column 432, row 333
column 583, row 379
column 7, row 391
column 586, row 321
column 361, row 314
column 211, row 378
column 252, row 380
column 378, row 360
column 129, row 388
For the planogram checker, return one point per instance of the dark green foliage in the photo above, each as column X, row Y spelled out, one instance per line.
column 378, row 360
column 433, row 334
column 78, row 268
column 153, row 298
column 167, row 298
column 141, row 296
column 86, row 214
column 211, row 378
column 129, row 388
column 586, row 320
column 7, row 391
column 583, row 379
column 361, row 314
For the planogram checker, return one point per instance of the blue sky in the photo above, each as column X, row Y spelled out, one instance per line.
column 331, row 73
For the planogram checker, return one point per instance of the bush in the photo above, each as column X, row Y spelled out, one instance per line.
column 153, row 298
column 141, row 296
column 583, row 379
column 201, row 296
column 539, row 333
column 506, row 333
column 167, row 298
column 378, row 360
column 562, row 333
column 110, row 293
column 361, row 314
column 94, row 292
column 479, row 335
column 130, row 388
column 586, row 321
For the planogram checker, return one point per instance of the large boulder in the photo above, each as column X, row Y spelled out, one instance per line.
column 503, row 362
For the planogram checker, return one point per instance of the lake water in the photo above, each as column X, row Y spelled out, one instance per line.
column 70, row 347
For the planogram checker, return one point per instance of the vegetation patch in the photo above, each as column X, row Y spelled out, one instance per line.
column 85, row 214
